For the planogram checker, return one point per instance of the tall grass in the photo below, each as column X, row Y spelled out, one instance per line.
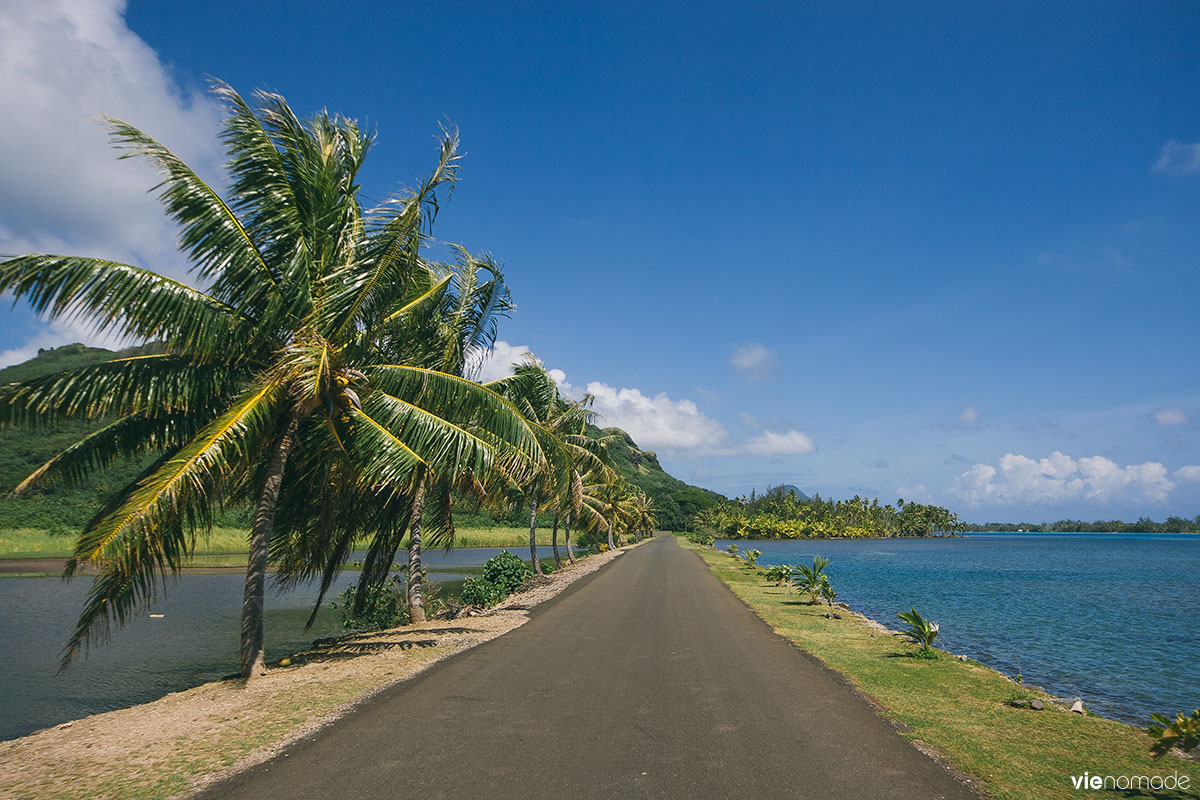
column 34, row 543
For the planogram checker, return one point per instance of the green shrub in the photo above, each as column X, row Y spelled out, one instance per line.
column 506, row 571
column 733, row 550
column 1183, row 733
column 702, row 539
column 479, row 592
column 752, row 556
column 827, row 592
column 385, row 607
column 781, row 574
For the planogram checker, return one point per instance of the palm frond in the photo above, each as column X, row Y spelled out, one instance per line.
column 435, row 439
column 128, row 437
column 211, row 233
column 115, row 297
column 154, row 526
column 396, row 235
column 460, row 401
column 123, row 386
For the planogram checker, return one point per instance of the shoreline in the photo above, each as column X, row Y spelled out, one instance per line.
column 1124, row 682
column 176, row 745
column 958, row 710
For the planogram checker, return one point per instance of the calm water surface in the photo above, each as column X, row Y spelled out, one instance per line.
column 1111, row 618
column 197, row 640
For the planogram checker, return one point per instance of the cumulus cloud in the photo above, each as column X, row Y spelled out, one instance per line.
column 64, row 61
column 1170, row 417
column 969, row 416
column 655, row 422
column 755, row 362
column 770, row 443
column 1058, row 477
column 498, row 363
column 1179, row 158
column 1188, row 474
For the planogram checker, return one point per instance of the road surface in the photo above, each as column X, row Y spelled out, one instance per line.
column 647, row 679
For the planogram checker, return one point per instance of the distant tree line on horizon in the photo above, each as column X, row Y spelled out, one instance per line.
column 1172, row 524
column 782, row 513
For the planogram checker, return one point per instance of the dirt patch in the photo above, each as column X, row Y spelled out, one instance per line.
column 183, row 741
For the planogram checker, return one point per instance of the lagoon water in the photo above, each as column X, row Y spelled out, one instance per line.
column 1110, row 618
column 195, row 641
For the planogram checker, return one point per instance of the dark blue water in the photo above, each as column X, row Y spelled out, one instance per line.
column 195, row 641
column 1111, row 618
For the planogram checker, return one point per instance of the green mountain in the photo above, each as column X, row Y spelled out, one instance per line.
column 58, row 508
column 22, row 450
column 674, row 501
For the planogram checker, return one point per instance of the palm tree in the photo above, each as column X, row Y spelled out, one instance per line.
column 603, row 497
column 808, row 579
column 561, row 428
column 453, row 336
column 271, row 388
column 640, row 508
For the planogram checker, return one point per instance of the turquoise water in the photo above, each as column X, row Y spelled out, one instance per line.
column 1111, row 618
column 195, row 641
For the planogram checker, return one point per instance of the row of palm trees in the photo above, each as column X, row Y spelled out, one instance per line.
column 321, row 377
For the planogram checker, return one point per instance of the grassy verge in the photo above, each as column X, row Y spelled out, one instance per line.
column 959, row 708
column 33, row 543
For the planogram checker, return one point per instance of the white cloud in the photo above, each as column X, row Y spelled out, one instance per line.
column 755, row 362
column 769, row 443
column 656, row 422
column 1170, row 417
column 1058, row 477
column 498, row 363
column 969, row 416
column 64, row 61
column 914, row 494
column 1179, row 158
column 1188, row 474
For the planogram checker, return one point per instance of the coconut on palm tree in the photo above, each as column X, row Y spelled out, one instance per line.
column 271, row 387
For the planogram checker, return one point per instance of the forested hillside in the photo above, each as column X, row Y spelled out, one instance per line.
column 674, row 501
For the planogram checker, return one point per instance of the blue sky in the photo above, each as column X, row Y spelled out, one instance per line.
column 947, row 253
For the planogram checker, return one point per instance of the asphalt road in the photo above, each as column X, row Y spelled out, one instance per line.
column 647, row 679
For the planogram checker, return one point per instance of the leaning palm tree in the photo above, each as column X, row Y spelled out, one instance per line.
column 642, row 518
column 270, row 387
column 560, row 426
column 454, row 336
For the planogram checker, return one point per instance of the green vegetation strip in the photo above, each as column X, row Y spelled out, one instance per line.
column 33, row 543
column 960, row 709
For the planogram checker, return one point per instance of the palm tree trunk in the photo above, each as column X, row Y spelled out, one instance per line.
column 253, row 662
column 416, row 600
column 554, row 542
column 537, row 565
column 567, row 537
column 611, row 546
